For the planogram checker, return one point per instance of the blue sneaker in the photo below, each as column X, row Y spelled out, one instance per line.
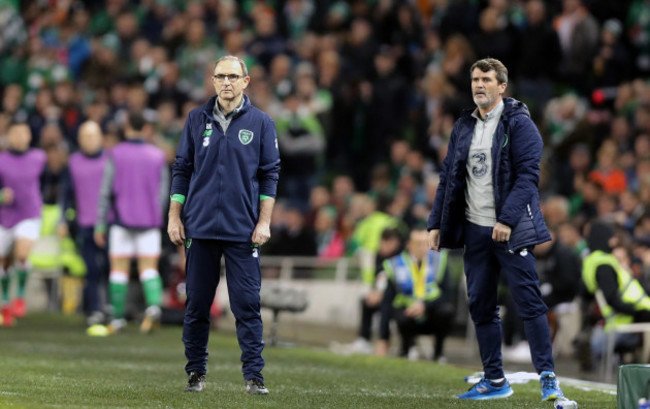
column 484, row 389
column 549, row 385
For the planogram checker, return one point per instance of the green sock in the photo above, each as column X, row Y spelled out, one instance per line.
column 21, row 273
column 117, row 288
column 152, row 288
column 4, row 285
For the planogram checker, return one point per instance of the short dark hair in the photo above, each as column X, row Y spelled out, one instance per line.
column 488, row 64
column 244, row 69
column 136, row 120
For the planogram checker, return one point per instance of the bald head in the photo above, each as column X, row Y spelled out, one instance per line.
column 19, row 137
column 90, row 137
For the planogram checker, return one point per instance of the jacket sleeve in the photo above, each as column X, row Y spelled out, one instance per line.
column 268, row 171
column 436, row 211
column 526, row 151
column 183, row 166
column 105, row 194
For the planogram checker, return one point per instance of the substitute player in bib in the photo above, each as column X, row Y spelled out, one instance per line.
column 20, row 215
column 135, row 185
column 82, row 195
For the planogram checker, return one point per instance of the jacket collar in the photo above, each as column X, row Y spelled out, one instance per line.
column 511, row 107
column 208, row 108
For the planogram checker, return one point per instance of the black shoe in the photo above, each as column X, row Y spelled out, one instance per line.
column 256, row 387
column 196, row 382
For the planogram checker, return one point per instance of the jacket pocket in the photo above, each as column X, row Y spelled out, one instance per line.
column 524, row 233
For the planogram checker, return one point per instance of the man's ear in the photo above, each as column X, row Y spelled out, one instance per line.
column 247, row 81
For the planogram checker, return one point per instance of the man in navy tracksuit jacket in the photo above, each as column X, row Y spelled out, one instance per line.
column 488, row 203
column 224, row 184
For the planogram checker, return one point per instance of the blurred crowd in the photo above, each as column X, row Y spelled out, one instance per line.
column 364, row 94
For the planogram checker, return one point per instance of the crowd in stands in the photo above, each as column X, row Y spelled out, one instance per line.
column 364, row 94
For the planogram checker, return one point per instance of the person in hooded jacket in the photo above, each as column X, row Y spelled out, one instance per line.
column 626, row 299
column 488, row 202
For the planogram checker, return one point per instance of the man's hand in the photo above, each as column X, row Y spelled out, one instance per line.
column 434, row 239
column 416, row 310
column 501, row 232
column 6, row 196
column 261, row 234
column 176, row 231
column 100, row 239
column 62, row 230
column 373, row 298
column 175, row 227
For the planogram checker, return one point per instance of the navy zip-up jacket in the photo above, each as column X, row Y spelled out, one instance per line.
column 516, row 154
column 223, row 175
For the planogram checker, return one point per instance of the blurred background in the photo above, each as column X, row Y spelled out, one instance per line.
column 364, row 95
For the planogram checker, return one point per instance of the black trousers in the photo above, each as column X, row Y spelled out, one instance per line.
column 436, row 321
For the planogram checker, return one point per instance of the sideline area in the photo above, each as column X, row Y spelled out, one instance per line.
column 54, row 364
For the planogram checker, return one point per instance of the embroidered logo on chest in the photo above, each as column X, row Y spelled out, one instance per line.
column 245, row 136
column 206, row 134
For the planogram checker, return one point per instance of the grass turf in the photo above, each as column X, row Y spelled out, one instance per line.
column 47, row 361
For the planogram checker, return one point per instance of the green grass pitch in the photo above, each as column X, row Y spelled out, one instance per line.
column 47, row 361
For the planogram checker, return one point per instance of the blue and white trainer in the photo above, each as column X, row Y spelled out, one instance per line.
column 549, row 386
column 485, row 389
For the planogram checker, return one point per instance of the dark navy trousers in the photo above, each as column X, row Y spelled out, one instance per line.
column 96, row 259
column 243, row 275
column 485, row 260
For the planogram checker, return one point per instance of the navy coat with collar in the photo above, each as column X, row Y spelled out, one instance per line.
column 516, row 154
column 222, row 175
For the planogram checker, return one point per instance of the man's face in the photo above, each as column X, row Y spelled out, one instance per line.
column 486, row 90
column 418, row 244
column 19, row 137
column 231, row 88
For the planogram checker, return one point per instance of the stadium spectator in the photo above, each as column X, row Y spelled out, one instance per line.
column 577, row 30
column 559, row 276
column 607, row 269
column 367, row 234
column 329, row 240
column 302, row 143
column 244, row 169
column 294, row 238
column 539, row 57
column 415, row 290
column 390, row 245
column 607, row 173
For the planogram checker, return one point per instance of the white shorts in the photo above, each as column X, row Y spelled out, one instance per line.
column 27, row 229
column 124, row 242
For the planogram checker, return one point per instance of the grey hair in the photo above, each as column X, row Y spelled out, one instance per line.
column 241, row 62
column 488, row 64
